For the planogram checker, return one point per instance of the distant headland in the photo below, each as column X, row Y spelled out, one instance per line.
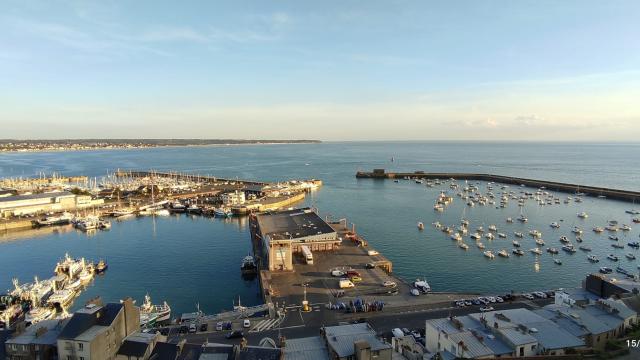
column 12, row 145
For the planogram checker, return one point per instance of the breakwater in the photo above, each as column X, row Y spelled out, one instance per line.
column 625, row 195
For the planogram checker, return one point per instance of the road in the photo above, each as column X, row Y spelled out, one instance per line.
column 299, row 324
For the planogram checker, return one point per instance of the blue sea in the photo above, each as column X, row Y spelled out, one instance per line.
column 195, row 260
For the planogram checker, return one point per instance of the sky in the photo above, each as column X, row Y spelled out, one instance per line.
column 328, row 70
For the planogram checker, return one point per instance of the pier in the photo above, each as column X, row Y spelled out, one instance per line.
column 624, row 195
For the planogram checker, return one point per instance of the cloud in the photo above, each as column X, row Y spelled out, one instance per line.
column 528, row 120
column 169, row 33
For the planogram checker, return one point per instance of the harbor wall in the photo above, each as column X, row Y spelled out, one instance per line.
column 15, row 225
column 625, row 195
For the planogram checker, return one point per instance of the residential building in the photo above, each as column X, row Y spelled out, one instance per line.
column 594, row 323
column 97, row 332
column 505, row 333
column 355, row 342
column 407, row 348
column 233, row 198
column 37, row 342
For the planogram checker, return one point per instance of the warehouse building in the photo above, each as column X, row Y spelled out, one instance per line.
column 18, row 205
column 283, row 233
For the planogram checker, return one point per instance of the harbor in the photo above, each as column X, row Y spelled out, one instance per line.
column 617, row 194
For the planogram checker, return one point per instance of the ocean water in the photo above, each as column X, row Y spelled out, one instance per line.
column 193, row 260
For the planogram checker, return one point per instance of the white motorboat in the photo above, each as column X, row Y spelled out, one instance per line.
column 593, row 258
column 536, row 251
column 420, row 226
column 463, row 246
column 503, row 253
column 583, row 215
column 518, row 234
column 62, row 297
column 489, row 254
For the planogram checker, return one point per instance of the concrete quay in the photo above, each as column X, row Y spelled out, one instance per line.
column 624, row 195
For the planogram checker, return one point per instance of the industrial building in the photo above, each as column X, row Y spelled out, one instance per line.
column 18, row 205
column 283, row 233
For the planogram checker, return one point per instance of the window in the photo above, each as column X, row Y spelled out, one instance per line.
column 522, row 351
column 80, row 346
column 533, row 347
column 81, row 357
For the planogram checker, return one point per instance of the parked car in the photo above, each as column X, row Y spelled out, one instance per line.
column 235, row 334
column 355, row 279
column 373, row 252
column 527, row 296
column 491, row 299
column 475, row 302
column 486, row 308
column 460, row 303
column 370, row 266
column 219, row 326
column 337, row 273
column 499, row 299
column 397, row 332
column 246, row 323
column 204, row 327
column 193, row 328
column 352, row 273
column 539, row 294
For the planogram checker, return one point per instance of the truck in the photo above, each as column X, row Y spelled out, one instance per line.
column 308, row 256
column 346, row 284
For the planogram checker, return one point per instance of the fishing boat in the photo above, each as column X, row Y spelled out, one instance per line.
column 634, row 244
column 61, row 297
column 576, row 230
column 39, row 313
column 552, row 250
column 62, row 219
column 515, row 243
column 554, row 225
column 101, row 267
column 150, row 313
column 88, row 223
column 535, row 233
column 518, row 234
column 625, row 227
column 593, row 258
column 583, row 215
column 564, row 239
column 476, row 236
column 584, row 248
column 104, row 224
column 248, row 265
column 480, row 245
column 617, row 246
column 503, row 253
column 489, row 236
column 222, row 212
column 489, row 254
column 492, row 228
column 194, row 209
column 630, row 256
column 539, row 242
column 517, row 252
column 598, row 229
column 86, row 275
column 569, row 248
column 522, row 218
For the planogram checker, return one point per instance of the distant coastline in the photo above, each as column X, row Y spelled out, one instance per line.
column 13, row 145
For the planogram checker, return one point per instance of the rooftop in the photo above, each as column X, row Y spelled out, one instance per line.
column 89, row 317
column 43, row 333
column 341, row 338
column 35, row 196
column 309, row 348
column 292, row 224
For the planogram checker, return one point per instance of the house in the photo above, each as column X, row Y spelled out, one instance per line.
column 355, row 341
column 39, row 341
column 406, row 347
column 97, row 332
